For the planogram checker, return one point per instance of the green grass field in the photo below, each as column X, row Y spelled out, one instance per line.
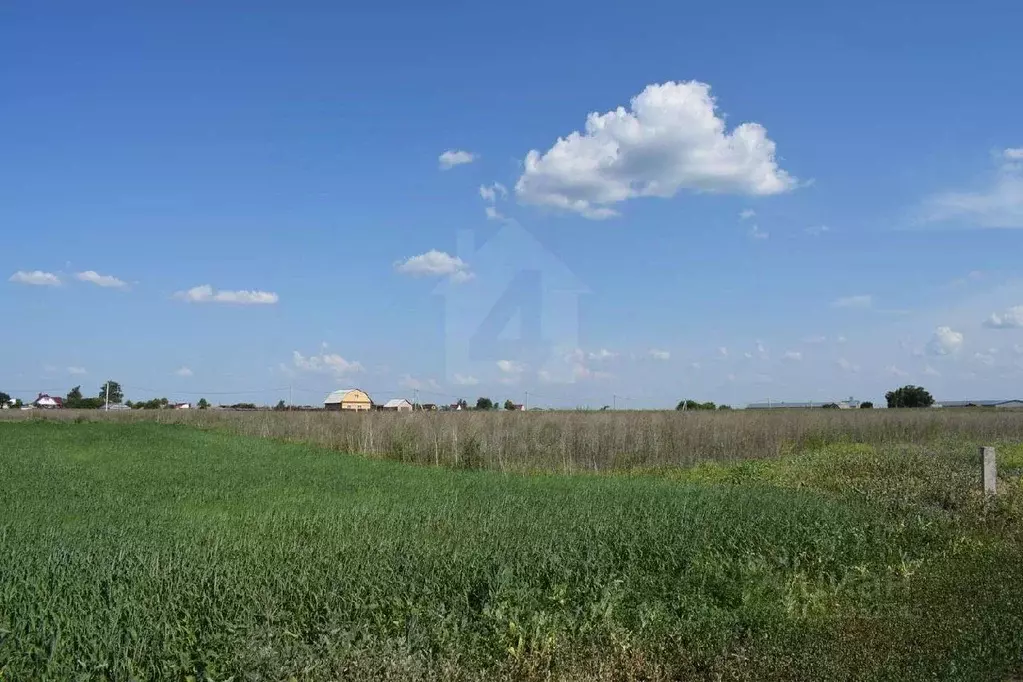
column 155, row 552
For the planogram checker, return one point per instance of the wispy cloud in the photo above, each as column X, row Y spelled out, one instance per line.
column 206, row 294
column 746, row 214
column 76, row 371
column 999, row 204
column 105, row 281
column 492, row 192
column 35, row 278
column 859, row 301
column 455, row 157
column 756, row 233
column 183, row 372
column 326, row 363
column 658, row 354
column 816, row 230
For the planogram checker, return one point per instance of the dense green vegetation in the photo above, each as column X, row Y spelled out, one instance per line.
column 150, row 552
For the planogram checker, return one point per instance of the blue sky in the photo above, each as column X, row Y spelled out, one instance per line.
column 787, row 200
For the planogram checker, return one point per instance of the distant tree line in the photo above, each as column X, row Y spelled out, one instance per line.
column 687, row 405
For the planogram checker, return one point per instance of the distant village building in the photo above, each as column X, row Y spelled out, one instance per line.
column 849, row 404
column 182, row 406
column 518, row 407
column 397, row 405
column 46, row 402
column 353, row 399
column 1001, row 404
column 116, row 407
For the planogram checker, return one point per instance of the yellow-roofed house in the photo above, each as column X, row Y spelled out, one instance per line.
column 354, row 399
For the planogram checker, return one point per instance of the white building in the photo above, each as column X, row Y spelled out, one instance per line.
column 398, row 405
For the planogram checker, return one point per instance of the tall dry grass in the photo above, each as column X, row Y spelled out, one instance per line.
column 585, row 441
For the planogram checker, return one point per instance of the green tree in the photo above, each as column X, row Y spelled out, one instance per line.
column 909, row 396
column 116, row 394
column 4, row 398
column 203, row 404
column 484, row 404
column 724, row 407
column 693, row 405
column 462, row 403
column 509, row 405
column 280, row 406
column 73, row 399
column 866, row 405
column 18, row 404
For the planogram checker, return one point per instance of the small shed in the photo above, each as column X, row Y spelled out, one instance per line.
column 354, row 399
column 398, row 405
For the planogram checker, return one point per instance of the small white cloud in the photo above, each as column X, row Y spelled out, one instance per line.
column 183, row 372
column 455, row 157
column 602, row 354
column 658, row 354
column 326, row 363
column 746, row 214
column 695, row 365
column 1013, row 154
column 840, row 339
column 945, row 341
column 35, row 278
column 847, row 366
column 462, row 276
column 493, row 213
column 206, row 294
column 493, row 192
column 511, row 366
column 105, row 281
column 860, row 301
column 435, row 263
column 723, row 351
column 1010, row 319
column 670, row 139
column 896, row 372
column 76, row 371
column 793, row 355
column 465, row 380
column 756, row 233
column 816, row 230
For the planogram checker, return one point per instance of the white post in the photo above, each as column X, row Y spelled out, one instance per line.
column 990, row 470
column 106, row 404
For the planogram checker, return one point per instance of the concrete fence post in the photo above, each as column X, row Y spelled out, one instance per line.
column 990, row 470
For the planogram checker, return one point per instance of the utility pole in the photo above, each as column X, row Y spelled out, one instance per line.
column 106, row 402
column 291, row 397
column 525, row 405
column 614, row 401
column 415, row 398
